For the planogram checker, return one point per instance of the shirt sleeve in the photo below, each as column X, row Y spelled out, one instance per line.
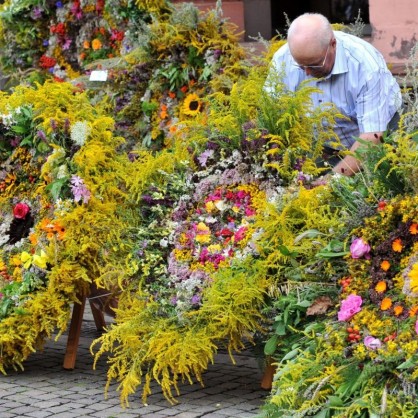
column 374, row 110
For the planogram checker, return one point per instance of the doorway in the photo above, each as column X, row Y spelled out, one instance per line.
column 337, row 11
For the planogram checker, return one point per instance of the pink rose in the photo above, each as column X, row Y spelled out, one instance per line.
column 372, row 343
column 21, row 210
column 349, row 307
column 359, row 248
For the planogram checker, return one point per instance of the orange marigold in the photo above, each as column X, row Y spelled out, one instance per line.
column 397, row 245
column 397, row 310
column 385, row 265
column 413, row 311
column 413, row 229
column 380, row 287
column 386, row 304
column 96, row 44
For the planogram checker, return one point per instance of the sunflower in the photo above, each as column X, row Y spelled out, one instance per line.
column 192, row 105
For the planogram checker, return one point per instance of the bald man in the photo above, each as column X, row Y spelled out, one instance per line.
column 350, row 73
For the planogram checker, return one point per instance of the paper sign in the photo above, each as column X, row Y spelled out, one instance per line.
column 98, row 75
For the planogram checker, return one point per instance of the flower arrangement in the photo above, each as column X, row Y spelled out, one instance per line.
column 61, row 38
column 51, row 178
column 162, row 81
column 369, row 344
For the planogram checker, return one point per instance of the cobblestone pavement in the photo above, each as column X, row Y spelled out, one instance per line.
column 45, row 389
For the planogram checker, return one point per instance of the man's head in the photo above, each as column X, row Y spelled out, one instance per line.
column 312, row 44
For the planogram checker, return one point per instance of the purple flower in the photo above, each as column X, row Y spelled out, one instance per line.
column 203, row 158
column 58, row 4
column 36, row 12
column 67, row 44
column 359, row 248
column 79, row 189
column 195, row 299
column 41, row 135
column 349, row 307
column 372, row 343
column 15, row 142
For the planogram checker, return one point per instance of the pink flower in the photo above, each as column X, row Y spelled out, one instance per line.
column 240, row 234
column 416, row 327
column 372, row 343
column 349, row 307
column 359, row 248
column 21, row 210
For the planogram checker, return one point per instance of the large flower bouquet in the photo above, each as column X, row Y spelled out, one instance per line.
column 358, row 358
column 206, row 249
column 57, row 154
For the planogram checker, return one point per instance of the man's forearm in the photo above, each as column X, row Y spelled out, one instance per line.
column 350, row 165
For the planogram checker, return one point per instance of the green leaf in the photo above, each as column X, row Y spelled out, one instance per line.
column 310, row 233
column 280, row 328
column 285, row 251
column 291, row 354
column 335, row 401
column 55, row 187
column 411, row 362
column 271, row 345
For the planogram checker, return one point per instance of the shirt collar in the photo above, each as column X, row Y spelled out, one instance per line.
column 340, row 64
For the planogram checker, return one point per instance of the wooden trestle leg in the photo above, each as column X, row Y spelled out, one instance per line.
column 75, row 330
column 74, row 334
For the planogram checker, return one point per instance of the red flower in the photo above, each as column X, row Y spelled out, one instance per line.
column 21, row 210
column 225, row 233
column 46, row 62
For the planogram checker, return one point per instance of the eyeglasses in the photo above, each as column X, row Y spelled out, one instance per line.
column 314, row 67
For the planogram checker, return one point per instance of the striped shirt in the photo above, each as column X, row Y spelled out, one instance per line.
column 360, row 85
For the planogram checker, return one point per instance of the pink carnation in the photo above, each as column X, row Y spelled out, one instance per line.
column 359, row 248
column 372, row 343
column 21, row 210
column 349, row 307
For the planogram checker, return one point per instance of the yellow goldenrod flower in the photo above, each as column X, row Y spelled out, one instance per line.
column 413, row 275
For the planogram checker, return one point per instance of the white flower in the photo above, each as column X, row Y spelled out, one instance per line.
column 79, row 132
column 62, row 172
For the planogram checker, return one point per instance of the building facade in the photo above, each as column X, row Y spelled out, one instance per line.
column 391, row 26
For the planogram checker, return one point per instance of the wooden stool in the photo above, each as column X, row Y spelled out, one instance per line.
column 75, row 330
